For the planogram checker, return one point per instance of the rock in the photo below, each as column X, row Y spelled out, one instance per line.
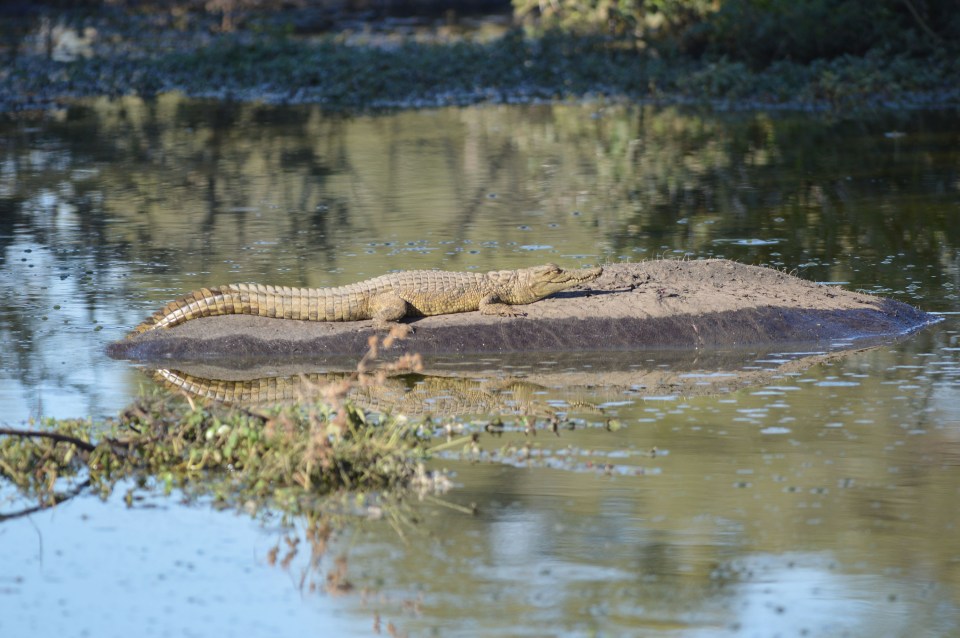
column 661, row 304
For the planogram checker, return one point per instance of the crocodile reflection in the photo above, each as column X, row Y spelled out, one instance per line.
column 413, row 395
column 489, row 387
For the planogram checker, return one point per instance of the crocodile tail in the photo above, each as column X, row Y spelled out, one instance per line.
column 205, row 302
column 265, row 390
column 246, row 299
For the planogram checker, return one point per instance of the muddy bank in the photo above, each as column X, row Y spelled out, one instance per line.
column 648, row 305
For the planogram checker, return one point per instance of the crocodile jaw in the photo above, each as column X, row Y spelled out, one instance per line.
column 531, row 284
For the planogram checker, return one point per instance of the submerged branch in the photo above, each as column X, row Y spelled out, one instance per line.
column 53, row 436
column 57, row 499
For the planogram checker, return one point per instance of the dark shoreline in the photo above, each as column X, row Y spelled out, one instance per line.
column 132, row 56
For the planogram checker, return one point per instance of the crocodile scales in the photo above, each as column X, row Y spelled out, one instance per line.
column 384, row 299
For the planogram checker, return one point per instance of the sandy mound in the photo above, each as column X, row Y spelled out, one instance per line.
column 648, row 305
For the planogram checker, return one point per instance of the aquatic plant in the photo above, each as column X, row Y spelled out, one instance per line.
column 278, row 455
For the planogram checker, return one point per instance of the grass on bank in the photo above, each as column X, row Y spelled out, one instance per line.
column 275, row 68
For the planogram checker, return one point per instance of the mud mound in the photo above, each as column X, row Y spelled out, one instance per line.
column 648, row 305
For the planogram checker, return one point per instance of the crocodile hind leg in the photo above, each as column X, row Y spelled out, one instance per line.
column 387, row 308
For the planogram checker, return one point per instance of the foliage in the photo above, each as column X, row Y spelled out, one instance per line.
column 764, row 30
column 549, row 67
column 669, row 50
column 279, row 456
column 635, row 18
column 759, row 31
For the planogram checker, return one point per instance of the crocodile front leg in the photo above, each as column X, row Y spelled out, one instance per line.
column 491, row 305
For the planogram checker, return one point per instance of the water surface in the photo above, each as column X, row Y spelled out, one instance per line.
column 820, row 502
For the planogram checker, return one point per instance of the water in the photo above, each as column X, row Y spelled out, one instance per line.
column 818, row 501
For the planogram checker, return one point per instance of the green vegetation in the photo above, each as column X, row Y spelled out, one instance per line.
column 760, row 32
column 284, row 457
column 515, row 68
column 741, row 53
column 552, row 66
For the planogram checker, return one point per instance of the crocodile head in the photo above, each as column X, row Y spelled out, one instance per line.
column 527, row 285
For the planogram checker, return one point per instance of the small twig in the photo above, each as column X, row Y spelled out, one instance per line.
column 459, row 508
column 461, row 440
column 58, row 498
column 61, row 438
column 923, row 25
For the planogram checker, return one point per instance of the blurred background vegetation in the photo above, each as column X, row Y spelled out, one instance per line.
column 756, row 32
column 759, row 31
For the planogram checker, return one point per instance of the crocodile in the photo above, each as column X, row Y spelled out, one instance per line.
column 385, row 299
